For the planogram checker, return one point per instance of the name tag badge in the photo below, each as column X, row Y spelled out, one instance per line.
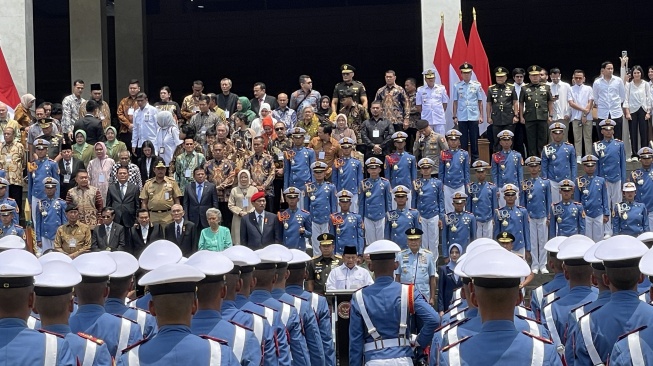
column 101, row 178
column 375, row 133
column 130, row 111
column 187, row 173
column 226, row 114
column 321, row 155
column 162, row 150
column 72, row 243
column 245, row 202
column 280, row 156
column 66, row 178
column 166, row 196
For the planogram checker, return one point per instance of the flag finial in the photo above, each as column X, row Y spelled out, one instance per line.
column 460, row 16
column 442, row 17
column 474, row 13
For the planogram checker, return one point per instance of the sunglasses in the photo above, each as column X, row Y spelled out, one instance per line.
column 279, row 129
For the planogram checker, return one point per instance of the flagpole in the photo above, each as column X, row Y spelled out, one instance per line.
column 474, row 13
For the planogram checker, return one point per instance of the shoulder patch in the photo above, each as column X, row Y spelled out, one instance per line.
column 90, row 338
column 139, row 309
column 580, row 306
column 221, row 341
column 241, row 325
column 253, row 313
column 631, row 332
column 590, row 312
column 544, row 340
column 448, row 347
column 304, row 211
column 299, row 297
column 134, row 345
column 122, row 317
column 522, row 317
column 53, row 333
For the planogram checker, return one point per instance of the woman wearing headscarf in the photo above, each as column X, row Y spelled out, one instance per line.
column 246, row 108
column 22, row 113
column 99, row 169
column 342, row 130
column 269, row 134
column 167, row 136
column 239, row 203
column 82, row 150
column 448, row 281
column 114, row 147
column 257, row 124
column 323, row 111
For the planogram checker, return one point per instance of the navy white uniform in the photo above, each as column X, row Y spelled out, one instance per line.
column 417, row 268
column 592, row 192
column 398, row 221
column 507, row 167
column 320, row 201
column 374, row 201
column 454, row 173
column 428, row 199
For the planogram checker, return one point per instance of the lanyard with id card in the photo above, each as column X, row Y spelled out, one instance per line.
column 376, row 133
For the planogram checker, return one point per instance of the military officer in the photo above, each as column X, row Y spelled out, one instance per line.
column 400, row 166
column 159, row 194
column 454, row 168
column 417, row 266
column 429, row 144
column 38, row 170
column 500, row 101
column 467, row 96
column 431, row 100
column 7, row 213
column 428, row 199
column 320, row 267
column 401, row 219
column 4, row 198
column 319, row 201
column 459, row 225
column 629, row 217
column 558, row 159
column 484, row 200
column 297, row 162
column 536, row 110
column 612, row 164
column 348, row 171
column 643, row 178
column 348, row 83
column 513, row 219
column 592, row 192
column 375, row 200
column 507, row 164
column 536, row 196
column 567, row 216
column 74, row 237
column 347, row 226
column 51, row 215
column 295, row 221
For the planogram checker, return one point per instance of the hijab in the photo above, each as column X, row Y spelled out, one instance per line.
column 267, row 122
column 247, row 109
column 324, row 112
column 26, row 99
column 165, row 120
column 265, row 106
column 109, row 144
column 249, row 179
column 80, row 147
column 451, row 263
column 346, row 120
column 104, row 150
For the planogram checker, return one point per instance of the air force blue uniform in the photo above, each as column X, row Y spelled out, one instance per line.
column 460, row 228
column 321, row 202
column 507, row 167
column 348, row 230
column 454, row 168
column 536, row 197
column 593, row 194
column 482, row 201
column 296, row 171
column 612, row 160
column 428, row 197
column 292, row 221
column 20, row 345
column 349, row 175
column 378, row 202
column 44, row 168
column 559, row 161
column 567, row 219
column 51, row 214
column 145, row 321
column 629, row 218
column 79, row 344
column 515, row 221
column 397, row 222
column 400, row 169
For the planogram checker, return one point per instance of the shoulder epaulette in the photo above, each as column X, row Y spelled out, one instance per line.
column 491, row 184
column 510, row 84
column 253, row 313
column 286, row 303
column 446, row 348
column 631, row 332
column 338, row 256
column 304, row 211
column 267, row 307
column 580, row 306
column 122, row 317
column 241, row 326
column 567, row 143
column 618, row 140
column 522, row 317
column 426, row 250
column 544, row 340
column 16, row 225
column 457, row 324
column 139, row 309
column 317, row 256
column 90, row 338
column 382, row 178
column 299, row 297
column 11, row 199
column 493, row 85
column 461, row 311
column 135, row 345
column 551, row 302
column 53, row 333
column 590, row 312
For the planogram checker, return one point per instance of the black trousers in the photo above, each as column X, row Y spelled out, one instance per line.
column 227, row 215
column 638, row 123
column 16, row 192
column 519, row 143
column 536, row 134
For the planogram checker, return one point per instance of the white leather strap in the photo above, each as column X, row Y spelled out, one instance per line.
column 533, row 328
column 123, row 340
column 50, row 356
column 386, row 343
column 132, row 357
column 537, row 358
column 285, row 314
column 548, row 298
column 586, row 332
column 239, row 343
column 258, row 328
column 403, row 319
column 216, row 353
column 454, row 355
column 550, row 323
column 315, row 300
column 522, row 311
column 537, row 294
column 452, row 336
column 31, row 322
column 371, row 330
column 642, row 296
column 579, row 312
column 636, row 355
column 269, row 315
column 141, row 317
column 89, row 353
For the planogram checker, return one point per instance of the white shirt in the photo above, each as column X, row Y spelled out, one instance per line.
column 343, row 278
column 561, row 107
column 581, row 95
column 144, row 230
column 432, row 100
column 145, row 126
column 518, row 89
column 179, row 225
column 638, row 96
column 608, row 96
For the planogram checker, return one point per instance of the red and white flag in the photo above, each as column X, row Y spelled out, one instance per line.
column 478, row 58
column 8, row 92
column 442, row 60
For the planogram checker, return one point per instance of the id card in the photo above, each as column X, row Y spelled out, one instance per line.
column 245, row 202
column 101, row 179
column 130, row 111
column 375, row 133
column 166, row 196
column 187, row 173
column 66, row 178
column 72, row 243
column 320, row 155
column 162, row 150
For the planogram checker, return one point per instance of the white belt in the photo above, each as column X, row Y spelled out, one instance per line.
column 586, row 332
column 387, row 343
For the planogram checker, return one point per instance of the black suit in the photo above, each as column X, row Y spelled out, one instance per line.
column 272, row 101
column 142, row 166
column 188, row 240
column 125, row 207
column 116, row 239
column 136, row 242
column 252, row 237
column 194, row 208
column 93, row 128
column 75, row 166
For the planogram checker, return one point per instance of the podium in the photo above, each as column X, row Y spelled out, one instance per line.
column 339, row 304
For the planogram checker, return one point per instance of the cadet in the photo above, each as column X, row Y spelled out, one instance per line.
column 598, row 330
column 559, row 284
column 629, row 217
column 567, row 216
column 21, row 345
column 374, row 200
column 8, row 227
column 643, row 178
column 513, row 219
column 51, row 215
column 121, row 282
column 4, row 198
column 321, row 266
column 348, row 171
column 459, row 226
column 159, row 194
column 496, row 274
column 296, row 222
column 536, row 110
column 319, row 201
column 155, row 255
column 592, row 192
column 507, row 164
column 454, row 168
column 297, row 162
column 54, row 295
column 374, row 315
column 401, row 219
column 208, row 319
column 612, row 164
column 428, row 199
column 500, row 106
column 347, row 226
column 417, row 266
column 467, row 96
column 91, row 317
column 400, row 166
column 173, row 288
column 536, row 196
column 558, row 159
column 430, row 144
column 38, row 170
column 484, row 200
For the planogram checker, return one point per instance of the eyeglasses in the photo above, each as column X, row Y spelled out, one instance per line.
column 106, row 217
column 279, row 129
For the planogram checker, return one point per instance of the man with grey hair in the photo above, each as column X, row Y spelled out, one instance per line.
column 227, row 100
column 182, row 232
column 5, row 121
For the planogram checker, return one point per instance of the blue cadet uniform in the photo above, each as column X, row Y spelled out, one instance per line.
column 297, row 162
column 484, row 199
column 598, row 330
column 400, row 167
column 400, row 220
column 612, row 157
column 176, row 342
column 468, row 96
column 38, row 170
column 428, row 199
column 117, row 331
column 8, row 200
column 592, row 192
column 51, row 214
column 293, row 221
column 374, row 202
column 20, row 345
column 11, row 228
column 567, row 217
column 507, row 165
column 347, row 172
column 320, row 202
column 453, row 170
column 558, row 286
column 498, row 342
column 417, row 267
column 629, row 217
column 374, row 315
column 347, row 227
column 558, row 160
column 459, row 226
column 513, row 219
column 536, row 197
column 643, row 178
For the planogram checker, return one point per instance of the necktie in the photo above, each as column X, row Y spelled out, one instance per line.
column 108, row 230
column 68, row 167
column 260, row 222
column 199, row 192
column 122, row 190
column 178, row 231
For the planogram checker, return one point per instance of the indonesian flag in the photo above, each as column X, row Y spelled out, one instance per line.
column 442, row 61
column 458, row 56
column 478, row 58
column 8, row 92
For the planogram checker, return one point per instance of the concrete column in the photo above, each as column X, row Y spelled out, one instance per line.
column 17, row 42
column 88, row 44
column 130, row 45
column 431, row 11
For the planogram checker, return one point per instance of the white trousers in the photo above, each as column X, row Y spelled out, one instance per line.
column 615, row 196
column 539, row 235
column 555, row 192
column 409, row 203
column 300, row 202
column 430, row 238
column 594, row 227
column 354, row 203
column 448, row 197
column 650, row 220
column 374, row 230
column 317, row 230
column 46, row 244
column 439, row 129
column 485, row 229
